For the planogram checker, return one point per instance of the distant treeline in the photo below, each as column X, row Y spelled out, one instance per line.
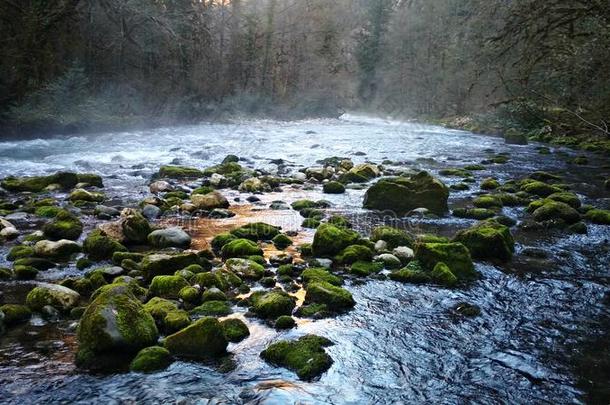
column 521, row 64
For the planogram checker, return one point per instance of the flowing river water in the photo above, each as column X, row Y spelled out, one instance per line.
column 402, row 343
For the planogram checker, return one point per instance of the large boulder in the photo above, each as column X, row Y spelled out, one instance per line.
column 305, row 356
column 114, row 326
column 59, row 250
column 403, row 194
column 330, row 240
column 57, row 296
column 203, row 339
column 488, row 240
column 169, row 237
column 209, row 201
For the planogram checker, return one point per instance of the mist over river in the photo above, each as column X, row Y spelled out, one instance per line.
column 402, row 343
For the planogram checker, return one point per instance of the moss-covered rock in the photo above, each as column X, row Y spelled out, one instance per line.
column 335, row 298
column 394, row 237
column 455, row 255
column 90, row 179
column 64, row 226
column 56, row 250
column 134, row 226
column 176, row 320
column 5, row 273
column 488, row 240
column 302, row 204
column 567, row 198
column 99, row 246
column 19, row 252
column 284, row 322
column 224, row 280
column 245, row 269
column 66, row 180
column 490, row 184
column 159, row 307
column 488, row 201
column 256, row 231
column 411, row 273
column 442, row 274
column 36, row 262
column 540, row 189
column 14, row 313
column 169, row 237
column 555, row 210
column 151, row 359
column 179, row 172
column 333, row 187
column 235, row 330
column 403, row 194
column 114, row 324
column 305, row 356
column 212, row 308
column 47, row 211
column 241, row 248
column 25, row 272
column 222, row 239
column 354, row 253
column 598, row 216
column 311, row 223
column 272, row 304
column 165, row 264
column 474, row 213
column 281, row 241
column 330, row 240
column 167, row 286
column 365, row 269
column 203, row 339
column 320, row 274
column 59, row 297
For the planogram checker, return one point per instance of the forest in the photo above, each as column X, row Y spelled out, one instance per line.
column 486, row 65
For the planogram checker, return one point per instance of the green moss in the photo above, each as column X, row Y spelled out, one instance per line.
column 313, row 311
column 455, row 172
column 302, row 204
column 567, row 198
column 335, row 298
column 176, row 320
column 272, row 304
column 441, row 274
column 256, row 231
column 281, row 241
column 202, row 190
column 490, row 184
column 221, row 279
column 364, row 269
column 202, row 339
column 90, row 179
column 412, row 273
column 222, row 239
column 38, row 263
column 553, row 210
column 63, row 226
column 47, row 211
column 305, row 356
column 284, row 322
column 212, row 308
column 158, row 308
column 240, row 248
column 151, row 359
column 190, row 295
column 119, row 256
column 540, row 189
column 136, row 228
column 5, row 274
column 488, row 240
column 474, row 213
column 66, row 180
column 167, row 286
column 179, row 172
column 14, row 314
column 59, row 297
column 25, row 272
column 101, row 247
column 246, row 269
column 459, row 187
column 488, row 201
column 403, row 194
column 311, row 223
column 456, row 254
column 339, row 221
column 333, row 187
column 330, row 240
column 597, row 216
column 320, row 274
column 354, row 253
column 392, row 236
column 235, row 329
column 19, row 252
column 83, row 195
